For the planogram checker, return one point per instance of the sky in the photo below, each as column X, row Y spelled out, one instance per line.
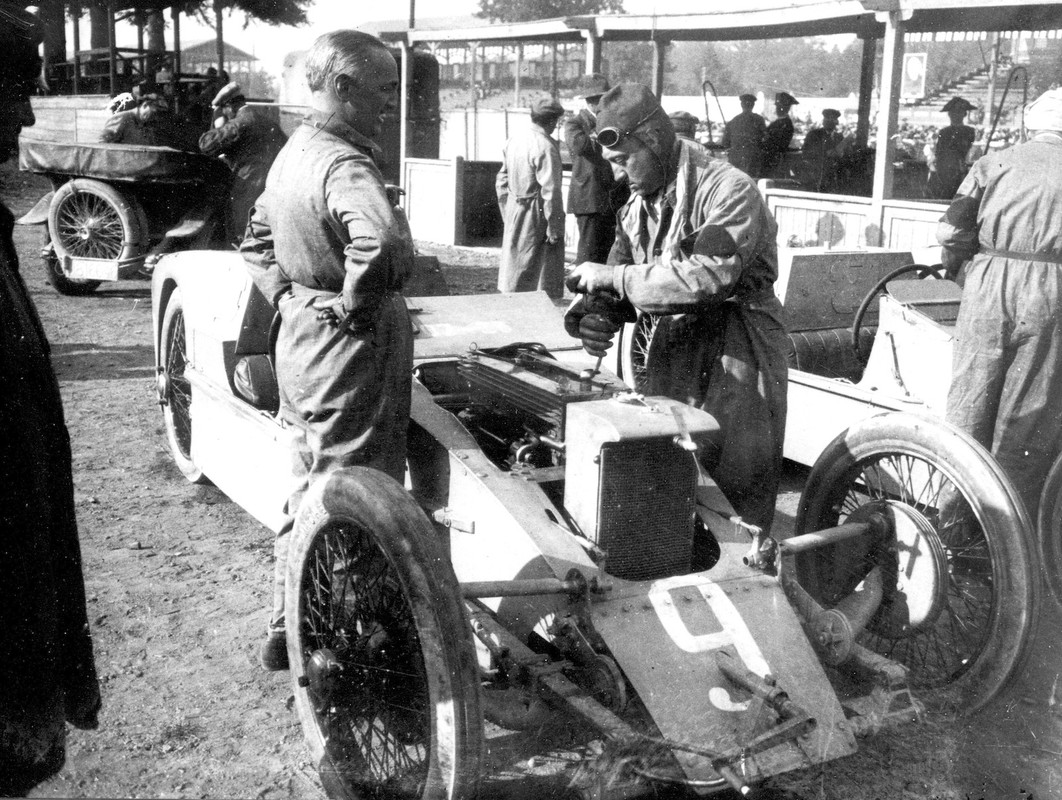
column 270, row 43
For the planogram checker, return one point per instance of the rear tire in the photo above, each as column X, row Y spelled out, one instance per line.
column 383, row 668
column 964, row 624
column 72, row 287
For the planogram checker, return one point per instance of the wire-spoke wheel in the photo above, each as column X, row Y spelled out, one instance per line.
column 90, row 219
column 175, row 390
column 961, row 586
column 634, row 355
column 383, row 667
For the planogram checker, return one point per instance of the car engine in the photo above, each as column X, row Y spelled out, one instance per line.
column 621, row 466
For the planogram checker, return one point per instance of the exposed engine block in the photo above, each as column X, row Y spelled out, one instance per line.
column 630, row 474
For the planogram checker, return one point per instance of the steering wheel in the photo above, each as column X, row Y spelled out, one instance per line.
column 923, row 271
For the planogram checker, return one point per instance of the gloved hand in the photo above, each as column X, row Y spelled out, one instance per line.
column 344, row 312
column 589, row 278
column 597, row 332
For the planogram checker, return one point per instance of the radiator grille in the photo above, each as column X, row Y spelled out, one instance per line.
column 646, row 497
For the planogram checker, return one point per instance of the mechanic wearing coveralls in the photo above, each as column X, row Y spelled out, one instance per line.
column 326, row 248
column 47, row 670
column 532, row 207
column 695, row 244
column 249, row 141
column 594, row 196
column 1002, row 231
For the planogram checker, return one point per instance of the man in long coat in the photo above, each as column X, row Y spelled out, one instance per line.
column 696, row 245
column 1002, row 234
column 743, row 138
column 326, row 248
column 778, row 135
column 532, row 207
column 593, row 195
column 821, row 153
column 47, row 669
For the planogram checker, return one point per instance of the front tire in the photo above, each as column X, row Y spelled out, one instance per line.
column 382, row 662
column 963, row 625
column 176, row 391
column 634, row 350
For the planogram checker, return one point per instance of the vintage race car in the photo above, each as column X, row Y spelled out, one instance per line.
column 114, row 206
column 557, row 549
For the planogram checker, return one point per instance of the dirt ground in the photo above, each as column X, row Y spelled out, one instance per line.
column 177, row 579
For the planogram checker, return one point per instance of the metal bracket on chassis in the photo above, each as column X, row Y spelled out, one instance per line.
column 632, row 761
column 890, row 702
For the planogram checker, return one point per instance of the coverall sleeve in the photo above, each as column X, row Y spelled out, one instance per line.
column 729, row 230
column 577, row 137
column 219, row 141
column 958, row 229
column 548, row 173
column 260, row 256
column 360, row 211
column 501, row 185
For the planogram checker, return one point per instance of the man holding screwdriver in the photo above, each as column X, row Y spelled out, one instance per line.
column 696, row 245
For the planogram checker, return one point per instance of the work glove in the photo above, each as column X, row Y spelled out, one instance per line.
column 591, row 278
column 597, row 332
column 594, row 320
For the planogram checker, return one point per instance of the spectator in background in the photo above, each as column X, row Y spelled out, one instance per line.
column 248, row 141
column 953, row 148
column 594, row 195
column 150, row 123
column 685, row 125
column 743, row 138
column 47, row 668
column 822, row 151
column 1001, row 233
column 529, row 196
column 778, row 136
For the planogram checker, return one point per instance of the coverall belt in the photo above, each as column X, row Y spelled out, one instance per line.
column 1047, row 258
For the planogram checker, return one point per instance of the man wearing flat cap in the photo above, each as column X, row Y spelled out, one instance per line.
column 532, row 206
column 594, row 195
column 821, row 154
column 47, row 670
column 695, row 245
column 743, row 138
column 1001, row 234
column 248, row 141
column 778, row 136
column 953, row 149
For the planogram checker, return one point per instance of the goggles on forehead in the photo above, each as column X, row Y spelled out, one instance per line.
column 610, row 137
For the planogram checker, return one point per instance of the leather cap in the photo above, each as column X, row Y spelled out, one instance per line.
column 227, row 94
column 958, row 104
column 546, row 107
column 625, row 106
column 831, row 112
column 591, row 86
column 785, row 99
column 747, row 98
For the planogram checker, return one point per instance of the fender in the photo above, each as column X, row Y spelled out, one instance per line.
column 38, row 215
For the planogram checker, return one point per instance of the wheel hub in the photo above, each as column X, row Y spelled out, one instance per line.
column 162, row 386
column 915, row 573
column 323, row 669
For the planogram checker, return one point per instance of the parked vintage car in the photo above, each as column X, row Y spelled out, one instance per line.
column 112, row 206
column 558, row 549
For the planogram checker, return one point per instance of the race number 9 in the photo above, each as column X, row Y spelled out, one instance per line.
column 732, row 632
